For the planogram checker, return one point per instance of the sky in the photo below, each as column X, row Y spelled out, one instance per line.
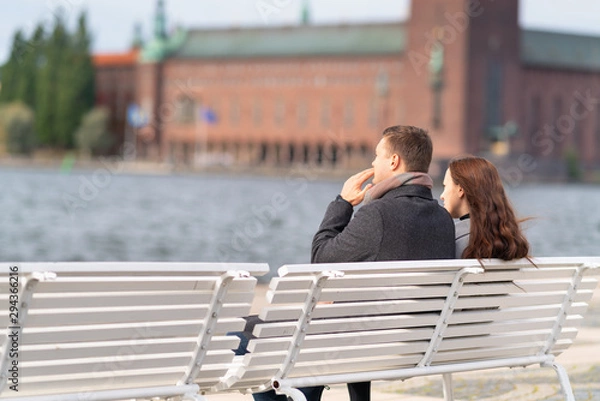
column 112, row 21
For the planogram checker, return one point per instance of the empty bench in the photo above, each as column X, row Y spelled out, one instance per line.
column 340, row 323
column 112, row 331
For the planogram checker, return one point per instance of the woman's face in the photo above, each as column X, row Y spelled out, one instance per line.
column 454, row 197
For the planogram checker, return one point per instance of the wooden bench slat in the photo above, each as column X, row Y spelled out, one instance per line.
column 324, row 354
column 112, row 332
column 56, row 301
column 131, row 283
column 364, row 281
column 319, row 341
column 120, row 362
column 535, row 311
column 504, row 339
column 350, row 324
column 90, row 316
column 509, row 300
column 355, row 365
column 379, row 280
column 115, row 376
column 523, row 274
column 362, row 294
column 292, row 312
column 52, row 386
column 210, row 373
column 505, row 327
column 138, row 347
column 487, row 353
column 98, row 366
column 522, row 286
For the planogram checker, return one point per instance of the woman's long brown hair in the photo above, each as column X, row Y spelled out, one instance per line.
column 495, row 231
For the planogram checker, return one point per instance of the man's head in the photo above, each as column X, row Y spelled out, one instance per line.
column 402, row 149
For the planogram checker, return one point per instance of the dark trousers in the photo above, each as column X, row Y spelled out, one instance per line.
column 360, row 391
column 311, row 394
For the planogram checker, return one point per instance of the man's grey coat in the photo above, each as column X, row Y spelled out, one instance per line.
column 406, row 223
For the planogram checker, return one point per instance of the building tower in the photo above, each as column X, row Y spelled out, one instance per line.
column 306, row 15
column 160, row 21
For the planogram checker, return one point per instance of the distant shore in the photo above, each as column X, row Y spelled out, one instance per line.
column 117, row 165
column 68, row 163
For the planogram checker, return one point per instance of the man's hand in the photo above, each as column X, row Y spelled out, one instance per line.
column 353, row 190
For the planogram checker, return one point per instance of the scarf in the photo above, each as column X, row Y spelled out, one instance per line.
column 378, row 190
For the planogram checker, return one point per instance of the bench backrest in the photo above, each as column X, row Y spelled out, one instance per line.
column 340, row 319
column 88, row 327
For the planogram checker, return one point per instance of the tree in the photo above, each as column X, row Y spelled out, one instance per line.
column 47, row 93
column 30, row 61
column 93, row 137
column 75, row 85
column 10, row 72
column 17, row 123
column 52, row 72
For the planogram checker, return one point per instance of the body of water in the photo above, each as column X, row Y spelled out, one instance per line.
column 103, row 215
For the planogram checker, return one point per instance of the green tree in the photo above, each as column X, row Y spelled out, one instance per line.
column 17, row 123
column 93, row 137
column 10, row 72
column 52, row 72
column 75, row 85
column 27, row 77
column 47, row 88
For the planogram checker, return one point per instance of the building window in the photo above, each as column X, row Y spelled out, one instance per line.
column 373, row 113
column 279, row 112
column 302, row 113
column 494, row 98
column 325, row 113
column 534, row 117
column 400, row 113
column 597, row 133
column 557, row 111
column 257, row 113
column 235, row 111
column 579, row 125
column 184, row 110
column 349, row 114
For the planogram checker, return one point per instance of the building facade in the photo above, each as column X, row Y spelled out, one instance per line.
column 306, row 94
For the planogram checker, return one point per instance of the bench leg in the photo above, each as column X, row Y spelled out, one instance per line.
column 563, row 377
column 448, row 390
column 292, row 393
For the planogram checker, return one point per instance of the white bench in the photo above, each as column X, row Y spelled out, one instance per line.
column 112, row 331
column 340, row 323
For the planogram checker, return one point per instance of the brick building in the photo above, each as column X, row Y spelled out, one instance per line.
column 322, row 94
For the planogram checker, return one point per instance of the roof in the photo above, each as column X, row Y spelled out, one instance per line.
column 313, row 40
column 560, row 50
column 116, row 59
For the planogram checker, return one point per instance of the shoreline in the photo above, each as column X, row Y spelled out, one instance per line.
column 68, row 164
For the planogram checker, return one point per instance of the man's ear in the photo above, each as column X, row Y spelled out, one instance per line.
column 395, row 162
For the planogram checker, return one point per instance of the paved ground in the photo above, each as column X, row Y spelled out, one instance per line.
column 582, row 361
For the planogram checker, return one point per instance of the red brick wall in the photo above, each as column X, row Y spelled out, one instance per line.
column 568, row 117
column 260, row 102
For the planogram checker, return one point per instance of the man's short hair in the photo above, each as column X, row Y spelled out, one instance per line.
column 412, row 144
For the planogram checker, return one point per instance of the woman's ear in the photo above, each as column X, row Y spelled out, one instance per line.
column 461, row 192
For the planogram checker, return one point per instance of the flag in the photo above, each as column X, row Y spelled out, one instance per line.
column 208, row 115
